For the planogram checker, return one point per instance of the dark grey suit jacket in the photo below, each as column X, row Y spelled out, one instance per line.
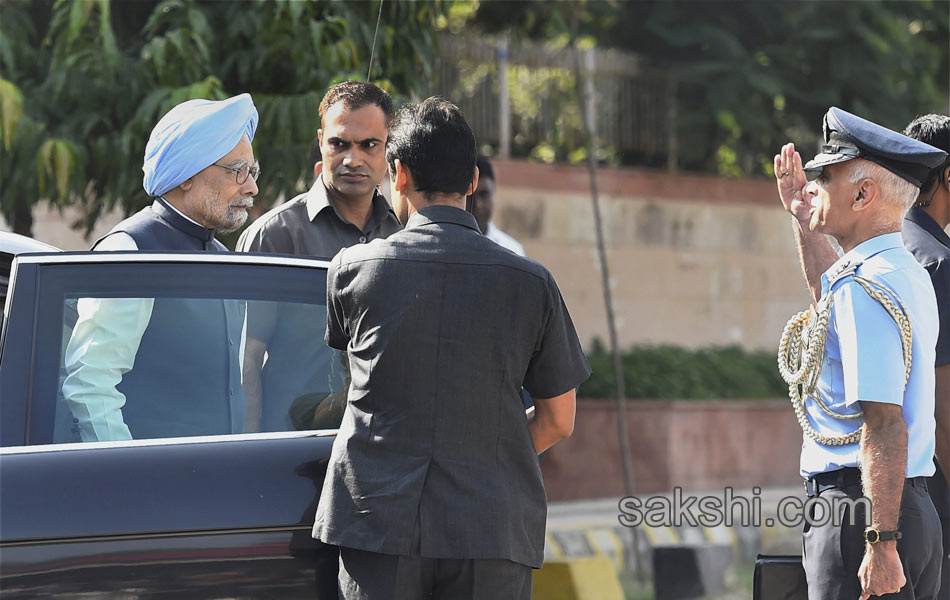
column 443, row 326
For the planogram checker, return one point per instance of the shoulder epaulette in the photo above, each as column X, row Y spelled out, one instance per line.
column 847, row 269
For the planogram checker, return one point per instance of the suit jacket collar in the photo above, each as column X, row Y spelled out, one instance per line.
column 926, row 222
column 179, row 221
column 442, row 214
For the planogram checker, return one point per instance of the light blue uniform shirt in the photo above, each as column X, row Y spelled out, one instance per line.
column 864, row 360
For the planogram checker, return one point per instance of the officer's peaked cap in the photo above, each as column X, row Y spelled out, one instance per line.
column 849, row 136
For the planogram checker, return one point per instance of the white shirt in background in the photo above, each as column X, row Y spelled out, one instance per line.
column 504, row 240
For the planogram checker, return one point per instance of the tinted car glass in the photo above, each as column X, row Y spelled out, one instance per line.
column 140, row 368
column 201, row 354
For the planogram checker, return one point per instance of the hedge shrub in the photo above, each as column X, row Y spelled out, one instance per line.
column 670, row 372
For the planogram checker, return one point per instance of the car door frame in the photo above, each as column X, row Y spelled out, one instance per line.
column 266, row 515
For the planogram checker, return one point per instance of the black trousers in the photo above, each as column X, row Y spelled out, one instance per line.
column 374, row 576
column 832, row 553
column 370, row 576
column 940, row 494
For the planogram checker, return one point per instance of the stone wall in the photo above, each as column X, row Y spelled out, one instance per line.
column 694, row 260
column 696, row 445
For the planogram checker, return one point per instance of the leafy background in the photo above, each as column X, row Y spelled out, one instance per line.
column 751, row 75
column 673, row 373
column 83, row 81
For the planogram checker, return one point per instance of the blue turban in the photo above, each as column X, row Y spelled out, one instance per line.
column 192, row 136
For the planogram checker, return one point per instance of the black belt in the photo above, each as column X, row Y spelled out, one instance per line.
column 846, row 477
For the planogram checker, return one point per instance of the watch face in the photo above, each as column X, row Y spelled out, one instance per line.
column 871, row 535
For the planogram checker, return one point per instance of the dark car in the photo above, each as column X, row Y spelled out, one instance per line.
column 99, row 501
column 12, row 244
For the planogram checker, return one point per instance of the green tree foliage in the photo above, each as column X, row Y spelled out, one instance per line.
column 82, row 82
column 753, row 75
column 671, row 373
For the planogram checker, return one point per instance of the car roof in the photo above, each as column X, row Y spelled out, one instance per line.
column 14, row 243
column 148, row 256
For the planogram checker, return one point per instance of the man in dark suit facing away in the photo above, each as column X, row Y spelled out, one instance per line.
column 434, row 488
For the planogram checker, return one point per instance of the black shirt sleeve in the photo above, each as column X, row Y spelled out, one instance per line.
column 336, row 335
column 559, row 364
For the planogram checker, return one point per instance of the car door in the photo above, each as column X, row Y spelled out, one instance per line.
column 12, row 244
column 216, row 513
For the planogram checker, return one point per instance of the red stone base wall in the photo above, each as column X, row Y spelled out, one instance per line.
column 696, row 445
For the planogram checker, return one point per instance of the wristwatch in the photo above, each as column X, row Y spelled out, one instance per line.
column 873, row 536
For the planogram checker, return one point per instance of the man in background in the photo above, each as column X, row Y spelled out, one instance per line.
column 342, row 208
column 926, row 237
column 483, row 207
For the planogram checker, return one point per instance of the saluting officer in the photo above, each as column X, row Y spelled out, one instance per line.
column 860, row 365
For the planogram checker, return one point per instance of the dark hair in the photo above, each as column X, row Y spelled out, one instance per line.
column 934, row 130
column 484, row 168
column 435, row 143
column 357, row 94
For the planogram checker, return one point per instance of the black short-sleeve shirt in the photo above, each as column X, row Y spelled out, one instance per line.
column 442, row 327
column 930, row 245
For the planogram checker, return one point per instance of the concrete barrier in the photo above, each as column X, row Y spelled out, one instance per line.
column 592, row 578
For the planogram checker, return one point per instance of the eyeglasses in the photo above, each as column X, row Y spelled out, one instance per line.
column 241, row 173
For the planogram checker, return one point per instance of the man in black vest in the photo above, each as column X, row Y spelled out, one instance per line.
column 121, row 382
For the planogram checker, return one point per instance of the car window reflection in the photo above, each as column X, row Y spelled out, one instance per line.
column 140, row 368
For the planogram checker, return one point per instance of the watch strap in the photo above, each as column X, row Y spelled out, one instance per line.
column 873, row 536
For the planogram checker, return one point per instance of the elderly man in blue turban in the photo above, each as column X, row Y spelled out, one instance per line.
column 120, row 382
column 199, row 167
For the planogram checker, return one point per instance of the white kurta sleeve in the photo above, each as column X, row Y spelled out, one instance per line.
column 100, row 351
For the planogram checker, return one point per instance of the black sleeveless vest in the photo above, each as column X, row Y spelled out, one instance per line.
column 186, row 380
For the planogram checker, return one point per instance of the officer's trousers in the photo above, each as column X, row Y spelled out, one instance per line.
column 832, row 553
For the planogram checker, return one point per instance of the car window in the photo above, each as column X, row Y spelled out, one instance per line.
column 184, row 364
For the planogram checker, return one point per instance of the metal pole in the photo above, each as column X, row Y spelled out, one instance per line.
column 590, row 106
column 587, row 109
column 504, row 105
column 672, row 148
